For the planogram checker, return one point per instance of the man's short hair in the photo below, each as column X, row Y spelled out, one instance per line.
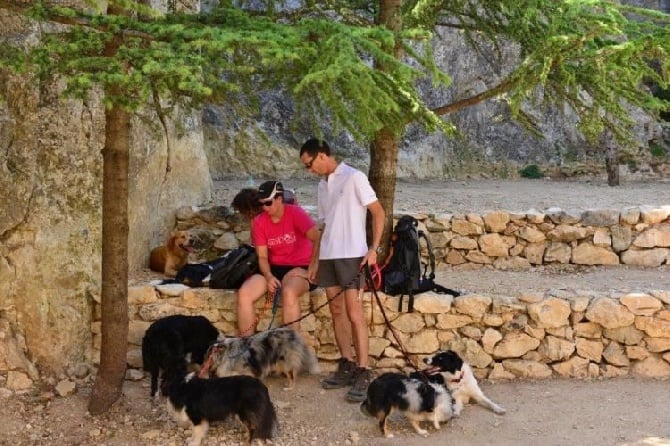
column 314, row 146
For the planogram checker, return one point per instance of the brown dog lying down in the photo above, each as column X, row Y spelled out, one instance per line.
column 170, row 258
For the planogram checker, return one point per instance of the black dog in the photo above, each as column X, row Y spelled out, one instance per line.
column 196, row 402
column 169, row 340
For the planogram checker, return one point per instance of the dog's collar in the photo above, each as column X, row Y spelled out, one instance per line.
column 457, row 380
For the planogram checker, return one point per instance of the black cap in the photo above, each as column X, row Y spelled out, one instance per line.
column 270, row 189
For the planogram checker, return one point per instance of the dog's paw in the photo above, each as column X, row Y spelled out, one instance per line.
column 389, row 435
column 499, row 410
column 422, row 432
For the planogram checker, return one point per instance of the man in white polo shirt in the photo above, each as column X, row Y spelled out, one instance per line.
column 343, row 199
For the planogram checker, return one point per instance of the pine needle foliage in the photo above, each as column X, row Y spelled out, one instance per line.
column 229, row 56
column 594, row 58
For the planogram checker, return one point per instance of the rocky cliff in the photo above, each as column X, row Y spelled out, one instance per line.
column 50, row 220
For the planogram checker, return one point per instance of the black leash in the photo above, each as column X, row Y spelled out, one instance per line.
column 212, row 348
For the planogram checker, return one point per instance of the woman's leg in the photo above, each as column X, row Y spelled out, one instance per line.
column 294, row 285
column 250, row 291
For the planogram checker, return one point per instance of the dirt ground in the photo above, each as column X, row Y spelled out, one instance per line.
column 549, row 413
column 622, row 411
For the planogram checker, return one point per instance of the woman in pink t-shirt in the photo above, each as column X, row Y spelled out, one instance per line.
column 284, row 236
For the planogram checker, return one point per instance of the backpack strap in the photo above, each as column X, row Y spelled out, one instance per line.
column 439, row 289
column 431, row 257
column 410, row 302
column 400, row 303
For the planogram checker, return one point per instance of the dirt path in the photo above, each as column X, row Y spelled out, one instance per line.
column 482, row 195
column 548, row 413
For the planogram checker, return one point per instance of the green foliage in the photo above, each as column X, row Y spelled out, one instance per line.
column 531, row 171
column 592, row 57
column 657, row 150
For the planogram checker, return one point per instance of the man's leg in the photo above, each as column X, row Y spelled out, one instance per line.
column 359, row 328
column 344, row 374
column 363, row 374
column 341, row 323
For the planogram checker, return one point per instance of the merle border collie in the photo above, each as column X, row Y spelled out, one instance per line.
column 280, row 350
column 173, row 339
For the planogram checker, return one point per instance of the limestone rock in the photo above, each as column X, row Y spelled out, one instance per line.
column 609, row 314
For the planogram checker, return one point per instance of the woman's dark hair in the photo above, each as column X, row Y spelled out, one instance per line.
column 246, row 202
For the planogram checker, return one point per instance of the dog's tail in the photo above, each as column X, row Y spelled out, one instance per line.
column 310, row 362
column 267, row 425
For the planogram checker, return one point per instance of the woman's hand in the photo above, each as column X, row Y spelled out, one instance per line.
column 273, row 283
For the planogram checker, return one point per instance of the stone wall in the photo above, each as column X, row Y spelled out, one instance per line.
column 576, row 333
column 506, row 240
column 557, row 333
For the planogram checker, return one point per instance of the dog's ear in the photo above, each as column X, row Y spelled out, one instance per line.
column 171, row 239
column 455, row 359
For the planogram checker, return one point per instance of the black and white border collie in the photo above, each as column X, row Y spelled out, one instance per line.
column 448, row 369
column 420, row 400
column 175, row 339
column 196, row 402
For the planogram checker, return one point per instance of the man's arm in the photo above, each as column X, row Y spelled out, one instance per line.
column 378, row 216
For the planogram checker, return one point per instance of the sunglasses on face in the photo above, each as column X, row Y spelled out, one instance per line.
column 268, row 202
column 308, row 165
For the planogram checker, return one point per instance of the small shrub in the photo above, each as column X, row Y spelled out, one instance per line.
column 657, row 150
column 531, row 171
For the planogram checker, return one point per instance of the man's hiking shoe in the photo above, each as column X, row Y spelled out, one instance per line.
column 359, row 391
column 342, row 377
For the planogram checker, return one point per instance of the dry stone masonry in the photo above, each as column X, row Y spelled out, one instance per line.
column 569, row 333
column 637, row 236
column 558, row 332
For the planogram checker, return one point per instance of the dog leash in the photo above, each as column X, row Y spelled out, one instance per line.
column 206, row 365
column 275, row 306
column 372, row 286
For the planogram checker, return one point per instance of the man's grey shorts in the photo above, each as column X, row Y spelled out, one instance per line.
column 344, row 273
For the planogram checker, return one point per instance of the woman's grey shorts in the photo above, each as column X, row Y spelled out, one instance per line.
column 344, row 273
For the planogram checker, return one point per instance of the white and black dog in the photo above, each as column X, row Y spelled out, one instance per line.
column 281, row 350
column 196, row 402
column 173, row 339
column 448, row 369
column 420, row 400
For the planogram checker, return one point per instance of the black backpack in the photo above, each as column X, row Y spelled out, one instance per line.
column 403, row 272
column 232, row 269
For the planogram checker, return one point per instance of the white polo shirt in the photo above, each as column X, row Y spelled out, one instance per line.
column 342, row 201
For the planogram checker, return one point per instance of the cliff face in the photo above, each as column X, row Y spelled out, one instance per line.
column 489, row 140
column 50, row 220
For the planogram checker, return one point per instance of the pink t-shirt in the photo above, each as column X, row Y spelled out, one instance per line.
column 285, row 239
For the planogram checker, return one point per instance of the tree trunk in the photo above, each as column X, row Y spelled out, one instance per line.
column 384, row 147
column 108, row 382
column 384, row 158
column 611, row 158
